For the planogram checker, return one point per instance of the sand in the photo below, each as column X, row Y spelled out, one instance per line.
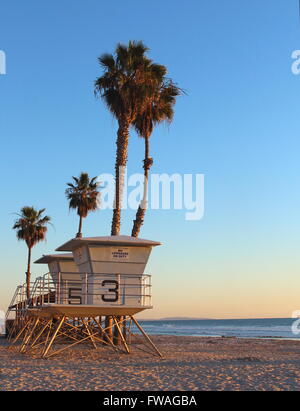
column 190, row 363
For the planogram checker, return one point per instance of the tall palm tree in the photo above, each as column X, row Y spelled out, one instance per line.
column 83, row 196
column 31, row 227
column 125, row 85
column 159, row 108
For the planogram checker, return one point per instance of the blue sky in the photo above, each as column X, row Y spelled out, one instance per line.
column 238, row 124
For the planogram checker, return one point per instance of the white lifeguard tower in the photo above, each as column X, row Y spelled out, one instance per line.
column 108, row 275
column 112, row 270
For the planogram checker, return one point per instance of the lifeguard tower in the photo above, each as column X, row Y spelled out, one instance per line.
column 112, row 271
column 112, row 285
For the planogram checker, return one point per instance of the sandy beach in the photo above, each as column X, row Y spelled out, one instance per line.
column 190, row 363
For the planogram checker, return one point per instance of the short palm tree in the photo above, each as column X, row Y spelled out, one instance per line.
column 31, row 227
column 83, row 196
column 160, row 108
column 125, row 86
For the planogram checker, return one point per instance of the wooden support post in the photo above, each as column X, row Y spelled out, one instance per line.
column 117, row 336
column 121, row 335
column 109, row 326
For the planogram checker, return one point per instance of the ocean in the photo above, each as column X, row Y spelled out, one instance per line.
column 252, row 328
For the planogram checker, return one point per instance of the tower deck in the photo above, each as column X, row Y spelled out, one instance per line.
column 51, row 310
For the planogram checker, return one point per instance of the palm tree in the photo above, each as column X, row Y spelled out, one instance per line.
column 83, row 196
column 32, row 228
column 160, row 108
column 125, row 85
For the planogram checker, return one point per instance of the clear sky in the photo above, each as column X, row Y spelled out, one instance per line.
column 238, row 124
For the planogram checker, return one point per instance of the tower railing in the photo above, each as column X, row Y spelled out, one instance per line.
column 91, row 289
column 18, row 301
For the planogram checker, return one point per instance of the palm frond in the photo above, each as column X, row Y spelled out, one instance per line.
column 107, row 61
column 84, row 196
column 31, row 226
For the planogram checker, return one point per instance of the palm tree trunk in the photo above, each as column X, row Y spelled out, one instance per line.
column 28, row 274
column 79, row 234
column 121, row 162
column 140, row 215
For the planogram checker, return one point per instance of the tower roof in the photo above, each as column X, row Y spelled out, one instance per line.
column 54, row 257
column 121, row 240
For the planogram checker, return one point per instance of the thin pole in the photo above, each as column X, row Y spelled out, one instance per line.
column 69, row 346
column 89, row 333
column 59, row 288
column 41, row 332
column 21, row 332
column 48, row 334
column 105, row 336
column 54, row 336
column 28, row 336
column 121, row 335
column 86, row 289
column 146, row 336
